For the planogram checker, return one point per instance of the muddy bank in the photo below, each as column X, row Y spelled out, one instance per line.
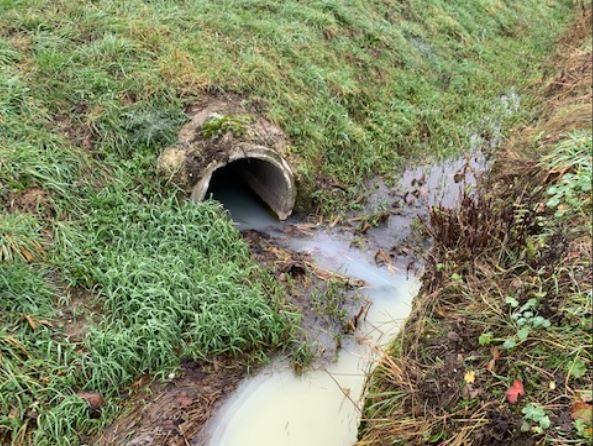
column 322, row 406
column 172, row 413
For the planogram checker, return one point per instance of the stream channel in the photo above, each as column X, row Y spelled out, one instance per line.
column 323, row 405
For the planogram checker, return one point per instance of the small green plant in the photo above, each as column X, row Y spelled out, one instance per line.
column 534, row 419
column 456, row 277
column 577, row 368
column 331, row 301
column 486, row 338
column 220, row 125
column 526, row 318
column 583, row 429
column 303, row 355
column 572, row 192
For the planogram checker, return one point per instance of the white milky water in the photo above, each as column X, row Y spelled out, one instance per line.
column 321, row 407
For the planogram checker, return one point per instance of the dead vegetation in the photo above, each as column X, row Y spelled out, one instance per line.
column 497, row 350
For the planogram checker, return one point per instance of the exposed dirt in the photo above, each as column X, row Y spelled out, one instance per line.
column 173, row 413
column 81, row 133
column 34, row 201
column 78, row 315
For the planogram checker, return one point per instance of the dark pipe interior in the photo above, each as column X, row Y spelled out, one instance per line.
column 230, row 186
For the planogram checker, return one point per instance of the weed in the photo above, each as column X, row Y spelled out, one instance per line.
column 534, row 419
column 571, row 158
column 526, row 318
column 330, row 303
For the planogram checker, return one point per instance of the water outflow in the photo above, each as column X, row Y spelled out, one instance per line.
column 322, row 407
column 246, row 209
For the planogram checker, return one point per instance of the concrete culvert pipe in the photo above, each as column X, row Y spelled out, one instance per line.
column 226, row 138
column 262, row 169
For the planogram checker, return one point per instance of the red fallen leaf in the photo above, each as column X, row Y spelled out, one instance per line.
column 94, row 399
column 515, row 391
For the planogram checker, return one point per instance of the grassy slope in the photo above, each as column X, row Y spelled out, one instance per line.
column 91, row 91
column 507, row 293
column 357, row 85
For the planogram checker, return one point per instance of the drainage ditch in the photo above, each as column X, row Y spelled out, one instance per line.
column 322, row 407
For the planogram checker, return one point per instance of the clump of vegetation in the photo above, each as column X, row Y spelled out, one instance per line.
column 233, row 124
column 332, row 303
column 498, row 348
column 572, row 157
column 169, row 285
column 19, row 237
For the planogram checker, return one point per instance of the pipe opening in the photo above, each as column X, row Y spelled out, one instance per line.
column 251, row 187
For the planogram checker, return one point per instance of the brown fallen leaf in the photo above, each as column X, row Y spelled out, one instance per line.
column 582, row 411
column 335, row 222
column 515, row 391
column 474, row 392
column 183, row 400
column 27, row 254
column 495, row 352
column 34, row 323
column 94, row 399
column 364, row 227
column 382, row 258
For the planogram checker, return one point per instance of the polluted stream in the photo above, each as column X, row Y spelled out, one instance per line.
column 322, row 406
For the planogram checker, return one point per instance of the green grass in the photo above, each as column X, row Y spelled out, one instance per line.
column 169, row 286
column 91, row 92
column 358, row 86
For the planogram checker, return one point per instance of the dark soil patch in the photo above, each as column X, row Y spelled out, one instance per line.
column 34, row 201
column 79, row 314
column 321, row 326
column 173, row 413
